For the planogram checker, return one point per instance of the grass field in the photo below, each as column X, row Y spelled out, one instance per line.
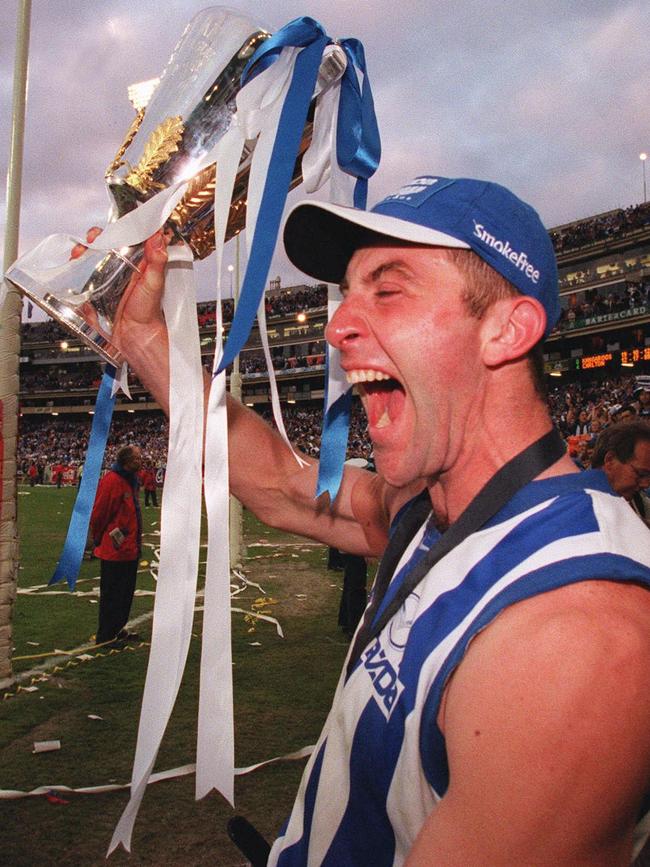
column 283, row 688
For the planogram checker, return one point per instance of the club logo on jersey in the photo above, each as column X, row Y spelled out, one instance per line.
column 383, row 675
column 382, row 661
column 400, row 626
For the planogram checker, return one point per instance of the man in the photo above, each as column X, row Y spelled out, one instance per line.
column 116, row 528
column 147, row 478
column 596, row 428
column 623, row 451
column 477, row 723
column 583, row 425
column 57, row 474
column 626, row 413
column 642, row 396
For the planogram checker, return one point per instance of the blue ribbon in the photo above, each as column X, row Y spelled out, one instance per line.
column 358, row 145
column 75, row 542
column 358, row 150
column 333, row 445
column 297, row 34
column 283, row 159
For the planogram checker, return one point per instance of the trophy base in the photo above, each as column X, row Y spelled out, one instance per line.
column 68, row 317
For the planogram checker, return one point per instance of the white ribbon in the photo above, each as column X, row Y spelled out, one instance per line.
column 215, row 748
column 121, row 381
column 258, row 616
column 180, row 532
column 259, row 108
column 337, row 383
column 320, row 163
column 273, row 385
column 182, row 771
column 215, row 751
column 49, row 262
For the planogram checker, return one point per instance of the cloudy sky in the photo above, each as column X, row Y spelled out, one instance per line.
column 548, row 98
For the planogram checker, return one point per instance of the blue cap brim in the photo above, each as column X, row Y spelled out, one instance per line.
column 320, row 238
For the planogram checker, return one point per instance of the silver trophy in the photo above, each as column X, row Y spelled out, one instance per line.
column 191, row 108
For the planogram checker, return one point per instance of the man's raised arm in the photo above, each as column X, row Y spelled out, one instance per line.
column 264, row 474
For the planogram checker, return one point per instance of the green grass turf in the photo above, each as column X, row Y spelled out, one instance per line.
column 283, row 688
column 59, row 620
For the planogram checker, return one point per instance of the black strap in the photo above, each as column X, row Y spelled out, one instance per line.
column 492, row 497
column 249, row 841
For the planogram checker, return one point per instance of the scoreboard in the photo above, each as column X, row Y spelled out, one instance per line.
column 589, row 362
column 625, row 357
column 631, row 356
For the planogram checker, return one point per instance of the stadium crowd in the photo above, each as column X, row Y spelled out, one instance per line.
column 580, row 411
column 254, row 362
column 600, row 228
column 284, row 303
column 290, row 301
column 49, row 377
column 47, row 443
column 601, row 302
column 87, row 376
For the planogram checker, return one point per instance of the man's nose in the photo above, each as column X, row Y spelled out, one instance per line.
column 346, row 325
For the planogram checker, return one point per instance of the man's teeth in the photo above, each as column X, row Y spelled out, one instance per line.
column 355, row 376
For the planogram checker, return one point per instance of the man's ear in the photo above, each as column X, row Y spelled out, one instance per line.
column 511, row 328
column 609, row 458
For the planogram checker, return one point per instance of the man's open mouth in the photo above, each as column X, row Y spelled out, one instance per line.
column 384, row 396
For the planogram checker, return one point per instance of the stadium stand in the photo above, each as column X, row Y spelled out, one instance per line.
column 591, row 358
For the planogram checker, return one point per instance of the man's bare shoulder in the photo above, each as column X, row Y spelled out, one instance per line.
column 588, row 631
column 604, row 613
column 547, row 712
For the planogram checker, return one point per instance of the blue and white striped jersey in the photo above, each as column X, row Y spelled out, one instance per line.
column 380, row 764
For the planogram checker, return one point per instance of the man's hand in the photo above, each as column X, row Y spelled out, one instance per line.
column 139, row 319
column 139, row 330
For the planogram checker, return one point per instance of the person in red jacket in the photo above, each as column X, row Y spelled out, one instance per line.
column 147, row 476
column 57, row 474
column 116, row 528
